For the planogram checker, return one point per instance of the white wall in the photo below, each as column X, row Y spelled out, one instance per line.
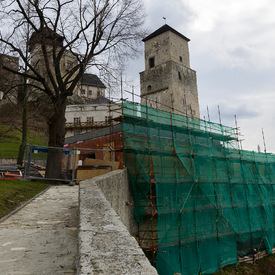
column 96, row 111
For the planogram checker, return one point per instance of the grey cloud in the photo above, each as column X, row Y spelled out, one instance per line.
column 177, row 14
column 242, row 111
column 240, row 52
column 228, row 112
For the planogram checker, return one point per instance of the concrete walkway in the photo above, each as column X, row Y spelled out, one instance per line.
column 41, row 238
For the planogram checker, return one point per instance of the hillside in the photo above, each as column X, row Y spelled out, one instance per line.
column 10, row 130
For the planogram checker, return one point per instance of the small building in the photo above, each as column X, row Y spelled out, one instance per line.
column 98, row 151
column 90, row 86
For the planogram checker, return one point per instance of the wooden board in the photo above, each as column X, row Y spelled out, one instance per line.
column 98, row 162
column 90, row 173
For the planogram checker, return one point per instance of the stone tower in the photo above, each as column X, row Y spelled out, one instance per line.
column 168, row 82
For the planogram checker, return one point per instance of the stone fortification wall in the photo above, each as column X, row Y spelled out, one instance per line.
column 105, row 244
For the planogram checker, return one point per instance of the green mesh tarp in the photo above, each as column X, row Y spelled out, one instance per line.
column 214, row 202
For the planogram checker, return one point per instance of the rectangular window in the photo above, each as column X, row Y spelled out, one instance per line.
column 90, row 119
column 77, row 120
column 98, row 92
column 107, row 118
column 151, row 62
column 90, row 93
column 76, row 133
column 83, row 92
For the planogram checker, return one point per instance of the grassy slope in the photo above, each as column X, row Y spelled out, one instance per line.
column 14, row 192
column 10, row 143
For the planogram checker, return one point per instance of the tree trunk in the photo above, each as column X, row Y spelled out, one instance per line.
column 22, row 104
column 22, row 148
column 56, row 139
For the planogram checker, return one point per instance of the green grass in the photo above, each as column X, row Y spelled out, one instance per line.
column 14, row 192
column 10, row 142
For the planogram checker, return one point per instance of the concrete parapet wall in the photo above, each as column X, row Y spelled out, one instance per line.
column 105, row 244
column 115, row 187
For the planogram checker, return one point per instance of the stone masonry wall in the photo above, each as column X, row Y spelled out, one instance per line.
column 171, row 85
column 105, row 244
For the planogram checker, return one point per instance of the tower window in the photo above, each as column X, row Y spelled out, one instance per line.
column 180, row 58
column 151, row 62
column 149, row 88
column 179, row 76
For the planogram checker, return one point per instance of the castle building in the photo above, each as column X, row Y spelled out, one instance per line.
column 168, row 83
column 89, row 85
column 50, row 40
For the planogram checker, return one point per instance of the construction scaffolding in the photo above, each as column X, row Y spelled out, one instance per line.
column 201, row 202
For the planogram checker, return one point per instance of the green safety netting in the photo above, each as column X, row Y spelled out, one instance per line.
column 215, row 202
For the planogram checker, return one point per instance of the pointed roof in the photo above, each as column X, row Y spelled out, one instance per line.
column 163, row 29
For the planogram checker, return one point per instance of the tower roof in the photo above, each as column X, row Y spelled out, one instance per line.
column 47, row 36
column 163, row 29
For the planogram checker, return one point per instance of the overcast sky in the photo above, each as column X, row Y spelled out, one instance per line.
column 232, row 49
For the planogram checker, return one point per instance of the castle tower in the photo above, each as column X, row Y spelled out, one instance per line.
column 168, row 82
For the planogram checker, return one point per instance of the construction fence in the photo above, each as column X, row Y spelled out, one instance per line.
column 78, row 163
column 213, row 202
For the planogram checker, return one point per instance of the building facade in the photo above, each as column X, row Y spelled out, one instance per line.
column 51, row 41
column 90, row 86
column 168, row 83
column 98, row 113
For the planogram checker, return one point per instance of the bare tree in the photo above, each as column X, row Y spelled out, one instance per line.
column 67, row 37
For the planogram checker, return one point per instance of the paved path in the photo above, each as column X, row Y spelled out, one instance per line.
column 41, row 238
